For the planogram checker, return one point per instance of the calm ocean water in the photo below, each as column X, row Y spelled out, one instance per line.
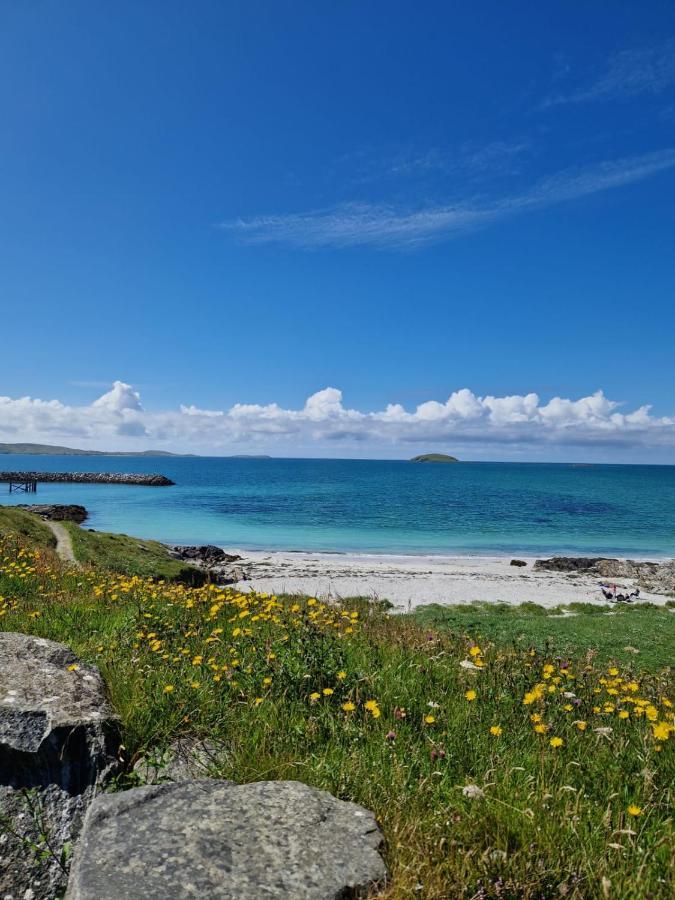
column 377, row 506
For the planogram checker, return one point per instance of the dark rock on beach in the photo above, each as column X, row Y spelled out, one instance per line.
column 281, row 840
column 58, row 744
column 88, row 478
column 518, row 562
column 659, row 578
column 220, row 566
column 57, row 512
column 569, row 564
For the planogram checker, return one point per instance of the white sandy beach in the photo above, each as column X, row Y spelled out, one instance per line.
column 410, row 581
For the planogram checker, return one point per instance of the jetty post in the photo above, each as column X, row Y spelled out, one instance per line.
column 23, row 487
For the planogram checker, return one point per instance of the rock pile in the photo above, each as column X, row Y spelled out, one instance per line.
column 220, row 566
column 658, row 578
column 58, row 744
column 57, row 512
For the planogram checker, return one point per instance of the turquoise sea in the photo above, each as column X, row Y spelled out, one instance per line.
column 374, row 506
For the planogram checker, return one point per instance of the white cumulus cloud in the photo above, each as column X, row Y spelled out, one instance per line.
column 489, row 424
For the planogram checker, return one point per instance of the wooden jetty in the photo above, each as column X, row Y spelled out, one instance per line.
column 27, row 481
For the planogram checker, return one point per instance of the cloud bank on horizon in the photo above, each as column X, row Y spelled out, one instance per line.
column 117, row 420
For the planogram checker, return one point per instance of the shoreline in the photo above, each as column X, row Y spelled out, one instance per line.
column 412, row 581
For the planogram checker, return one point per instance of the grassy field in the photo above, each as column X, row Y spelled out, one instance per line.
column 129, row 556
column 641, row 634
column 496, row 768
column 30, row 528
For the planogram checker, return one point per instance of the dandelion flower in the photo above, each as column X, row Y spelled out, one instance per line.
column 661, row 731
column 168, row 688
column 496, row 730
column 470, row 695
column 556, row 742
column 328, row 691
column 341, row 675
column 348, row 706
column 634, row 810
column 430, row 719
column 314, row 696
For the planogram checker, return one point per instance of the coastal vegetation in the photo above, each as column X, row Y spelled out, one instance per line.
column 641, row 635
column 129, row 556
column 497, row 767
column 26, row 526
column 434, row 458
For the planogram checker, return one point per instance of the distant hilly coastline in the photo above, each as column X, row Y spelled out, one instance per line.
column 434, row 458
column 52, row 450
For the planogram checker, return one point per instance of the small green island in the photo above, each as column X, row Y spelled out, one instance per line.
column 434, row 458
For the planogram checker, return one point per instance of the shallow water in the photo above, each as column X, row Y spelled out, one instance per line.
column 377, row 506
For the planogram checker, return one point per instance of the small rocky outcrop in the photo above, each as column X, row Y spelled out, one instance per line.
column 215, row 839
column 222, row 567
column 88, row 478
column 518, row 562
column 58, row 744
column 57, row 512
column 658, row 578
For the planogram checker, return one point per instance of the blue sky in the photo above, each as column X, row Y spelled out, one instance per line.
column 240, row 205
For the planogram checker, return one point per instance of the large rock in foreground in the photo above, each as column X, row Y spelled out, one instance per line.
column 215, row 839
column 58, row 743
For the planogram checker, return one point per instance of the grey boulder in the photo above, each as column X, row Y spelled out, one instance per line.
column 225, row 841
column 58, row 743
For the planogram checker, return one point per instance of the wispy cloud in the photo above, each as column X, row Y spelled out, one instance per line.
column 629, row 73
column 356, row 224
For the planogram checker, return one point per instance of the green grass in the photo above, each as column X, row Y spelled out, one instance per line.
column 578, row 629
column 552, row 822
column 27, row 526
column 129, row 556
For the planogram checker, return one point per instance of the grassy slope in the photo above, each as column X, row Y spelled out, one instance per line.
column 612, row 634
column 553, row 822
column 129, row 556
column 28, row 526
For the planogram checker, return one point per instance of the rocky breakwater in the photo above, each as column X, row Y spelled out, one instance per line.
column 656, row 577
column 221, row 567
column 59, row 740
column 88, row 478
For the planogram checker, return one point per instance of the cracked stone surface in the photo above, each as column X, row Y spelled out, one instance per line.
column 58, row 743
column 218, row 840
